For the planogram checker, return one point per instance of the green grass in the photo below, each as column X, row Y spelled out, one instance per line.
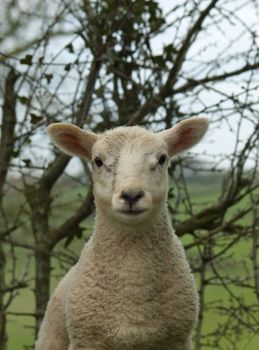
column 20, row 328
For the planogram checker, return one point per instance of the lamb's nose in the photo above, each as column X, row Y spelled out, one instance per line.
column 132, row 196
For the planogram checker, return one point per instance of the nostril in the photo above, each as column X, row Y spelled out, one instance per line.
column 132, row 196
column 139, row 195
column 125, row 195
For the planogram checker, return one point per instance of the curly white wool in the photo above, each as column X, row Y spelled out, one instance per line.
column 132, row 287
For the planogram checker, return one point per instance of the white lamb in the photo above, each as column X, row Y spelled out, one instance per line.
column 132, row 287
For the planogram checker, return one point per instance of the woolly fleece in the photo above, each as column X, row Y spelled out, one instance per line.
column 132, row 288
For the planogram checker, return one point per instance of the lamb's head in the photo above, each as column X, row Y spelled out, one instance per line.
column 129, row 164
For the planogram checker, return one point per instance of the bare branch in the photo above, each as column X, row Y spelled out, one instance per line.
column 70, row 227
column 194, row 83
column 151, row 105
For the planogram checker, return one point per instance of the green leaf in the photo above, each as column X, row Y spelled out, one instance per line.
column 41, row 60
column 24, row 100
column 100, row 91
column 27, row 162
column 70, row 48
column 48, row 77
column 170, row 50
column 35, row 119
column 158, row 60
column 26, row 60
column 77, row 232
column 67, row 67
column 16, row 153
column 27, row 140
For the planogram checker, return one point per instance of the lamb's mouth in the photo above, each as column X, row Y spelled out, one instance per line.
column 132, row 212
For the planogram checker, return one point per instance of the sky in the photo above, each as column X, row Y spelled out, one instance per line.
column 221, row 137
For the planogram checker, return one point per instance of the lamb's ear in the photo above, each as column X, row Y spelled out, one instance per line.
column 72, row 140
column 185, row 134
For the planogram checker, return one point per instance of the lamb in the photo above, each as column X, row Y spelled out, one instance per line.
column 132, row 287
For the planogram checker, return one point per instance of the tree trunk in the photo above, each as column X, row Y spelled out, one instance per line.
column 42, row 280
column 6, row 149
column 39, row 203
column 3, row 337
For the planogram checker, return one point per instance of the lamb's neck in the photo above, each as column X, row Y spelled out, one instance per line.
column 139, row 253
column 108, row 233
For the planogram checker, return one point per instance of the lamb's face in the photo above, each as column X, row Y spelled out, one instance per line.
column 130, row 174
column 129, row 164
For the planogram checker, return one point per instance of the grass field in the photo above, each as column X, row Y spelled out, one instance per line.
column 20, row 328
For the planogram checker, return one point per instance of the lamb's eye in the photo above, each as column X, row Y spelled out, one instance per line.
column 98, row 162
column 162, row 159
